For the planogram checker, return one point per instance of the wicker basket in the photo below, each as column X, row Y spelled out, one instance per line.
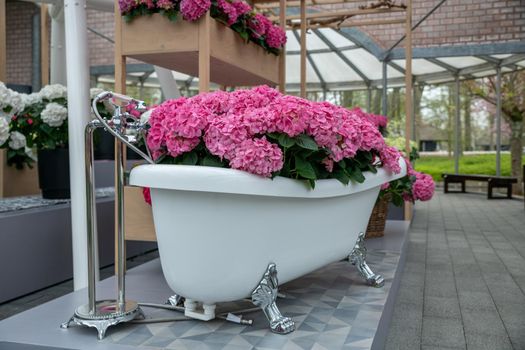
column 376, row 224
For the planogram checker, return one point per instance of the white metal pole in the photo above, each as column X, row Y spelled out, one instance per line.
column 456, row 129
column 58, row 45
column 168, row 84
column 78, row 108
column 498, row 121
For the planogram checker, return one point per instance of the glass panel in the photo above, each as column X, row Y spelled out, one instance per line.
column 291, row 43
column 334, row 69
column 421, row 66
column 367, row 63
column 313, row 42
column 293, row 73
column 335, row 38
column 462, row 62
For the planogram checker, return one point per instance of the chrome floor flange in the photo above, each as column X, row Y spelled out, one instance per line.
column 358, row 258
column 106, row 315
column 264, row 297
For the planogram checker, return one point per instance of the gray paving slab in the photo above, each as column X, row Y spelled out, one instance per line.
column 472, row 254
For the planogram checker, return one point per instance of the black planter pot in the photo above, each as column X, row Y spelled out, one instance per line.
column 53, row 173
column 105, row 147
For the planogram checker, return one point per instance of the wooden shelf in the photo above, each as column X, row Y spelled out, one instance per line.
column 175, row 45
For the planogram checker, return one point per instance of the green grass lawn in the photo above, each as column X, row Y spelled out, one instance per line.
column 469, row 164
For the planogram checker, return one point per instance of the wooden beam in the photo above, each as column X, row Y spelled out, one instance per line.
column 408, row 91
column 348, row 23
column 265, row 4
column 204, row 53
column 44, row 44
column 120, row 87
column 303, row 48
column 343, row 13
column 282, row 58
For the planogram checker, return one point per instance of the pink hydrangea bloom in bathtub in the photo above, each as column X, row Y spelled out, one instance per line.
column 269, row 134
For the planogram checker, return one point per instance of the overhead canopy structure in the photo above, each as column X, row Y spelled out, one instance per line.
column 347, row 59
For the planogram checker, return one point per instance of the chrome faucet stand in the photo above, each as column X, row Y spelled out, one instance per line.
column 127, row 130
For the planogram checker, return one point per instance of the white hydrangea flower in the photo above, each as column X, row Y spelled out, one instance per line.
column 31, row 99
column 54, row 114
column 5, row 96
column 93, row 92
column 16, row 102
column 17, row 140
column 4, row 131
column 54, row 91
column 6, row 116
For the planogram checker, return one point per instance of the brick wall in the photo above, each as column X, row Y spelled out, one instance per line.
column 19, row 44
column 459, row 22
column 101, row 51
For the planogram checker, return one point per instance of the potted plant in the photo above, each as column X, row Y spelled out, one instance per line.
column 13, row 129
column 414, row 186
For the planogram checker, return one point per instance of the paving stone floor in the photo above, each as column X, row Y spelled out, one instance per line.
column 463, row 284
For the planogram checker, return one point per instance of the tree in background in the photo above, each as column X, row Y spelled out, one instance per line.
column 513, row 110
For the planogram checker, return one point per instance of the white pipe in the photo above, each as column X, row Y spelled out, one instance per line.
column 78, row 114
column 168, row 84
column 58, row 45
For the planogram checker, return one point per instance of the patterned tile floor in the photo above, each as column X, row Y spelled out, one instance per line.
column 332, row 308
column 463, row 284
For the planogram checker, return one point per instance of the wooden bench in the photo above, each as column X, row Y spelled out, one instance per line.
column 493, row 182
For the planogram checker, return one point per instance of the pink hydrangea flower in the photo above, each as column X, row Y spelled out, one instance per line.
column 328, row 164
column 241, row 7
column 390, row 159
column 165, row 4
column 275, row 37
column 126, row 5
column 259, row 24
column 146, row 193
column 178, row 145
column 385, row 186
column 423, row 188
column 192, row 10
column 370, row 137
column 293, row 113
column 258, row 156
column 224, row 135
column 229, row 9
column 149, row 3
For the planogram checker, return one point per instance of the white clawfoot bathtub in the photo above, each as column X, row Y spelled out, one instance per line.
column 219, row 229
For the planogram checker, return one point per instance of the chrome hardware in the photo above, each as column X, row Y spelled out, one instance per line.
column 265, row 295
column 123, row 125
column 358, row 258
column 127, row 129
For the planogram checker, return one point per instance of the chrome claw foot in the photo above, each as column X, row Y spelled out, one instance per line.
column 358, row 258
column 264, row 296
column 176, row 300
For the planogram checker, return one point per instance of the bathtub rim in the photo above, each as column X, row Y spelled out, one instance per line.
column 232, row 181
